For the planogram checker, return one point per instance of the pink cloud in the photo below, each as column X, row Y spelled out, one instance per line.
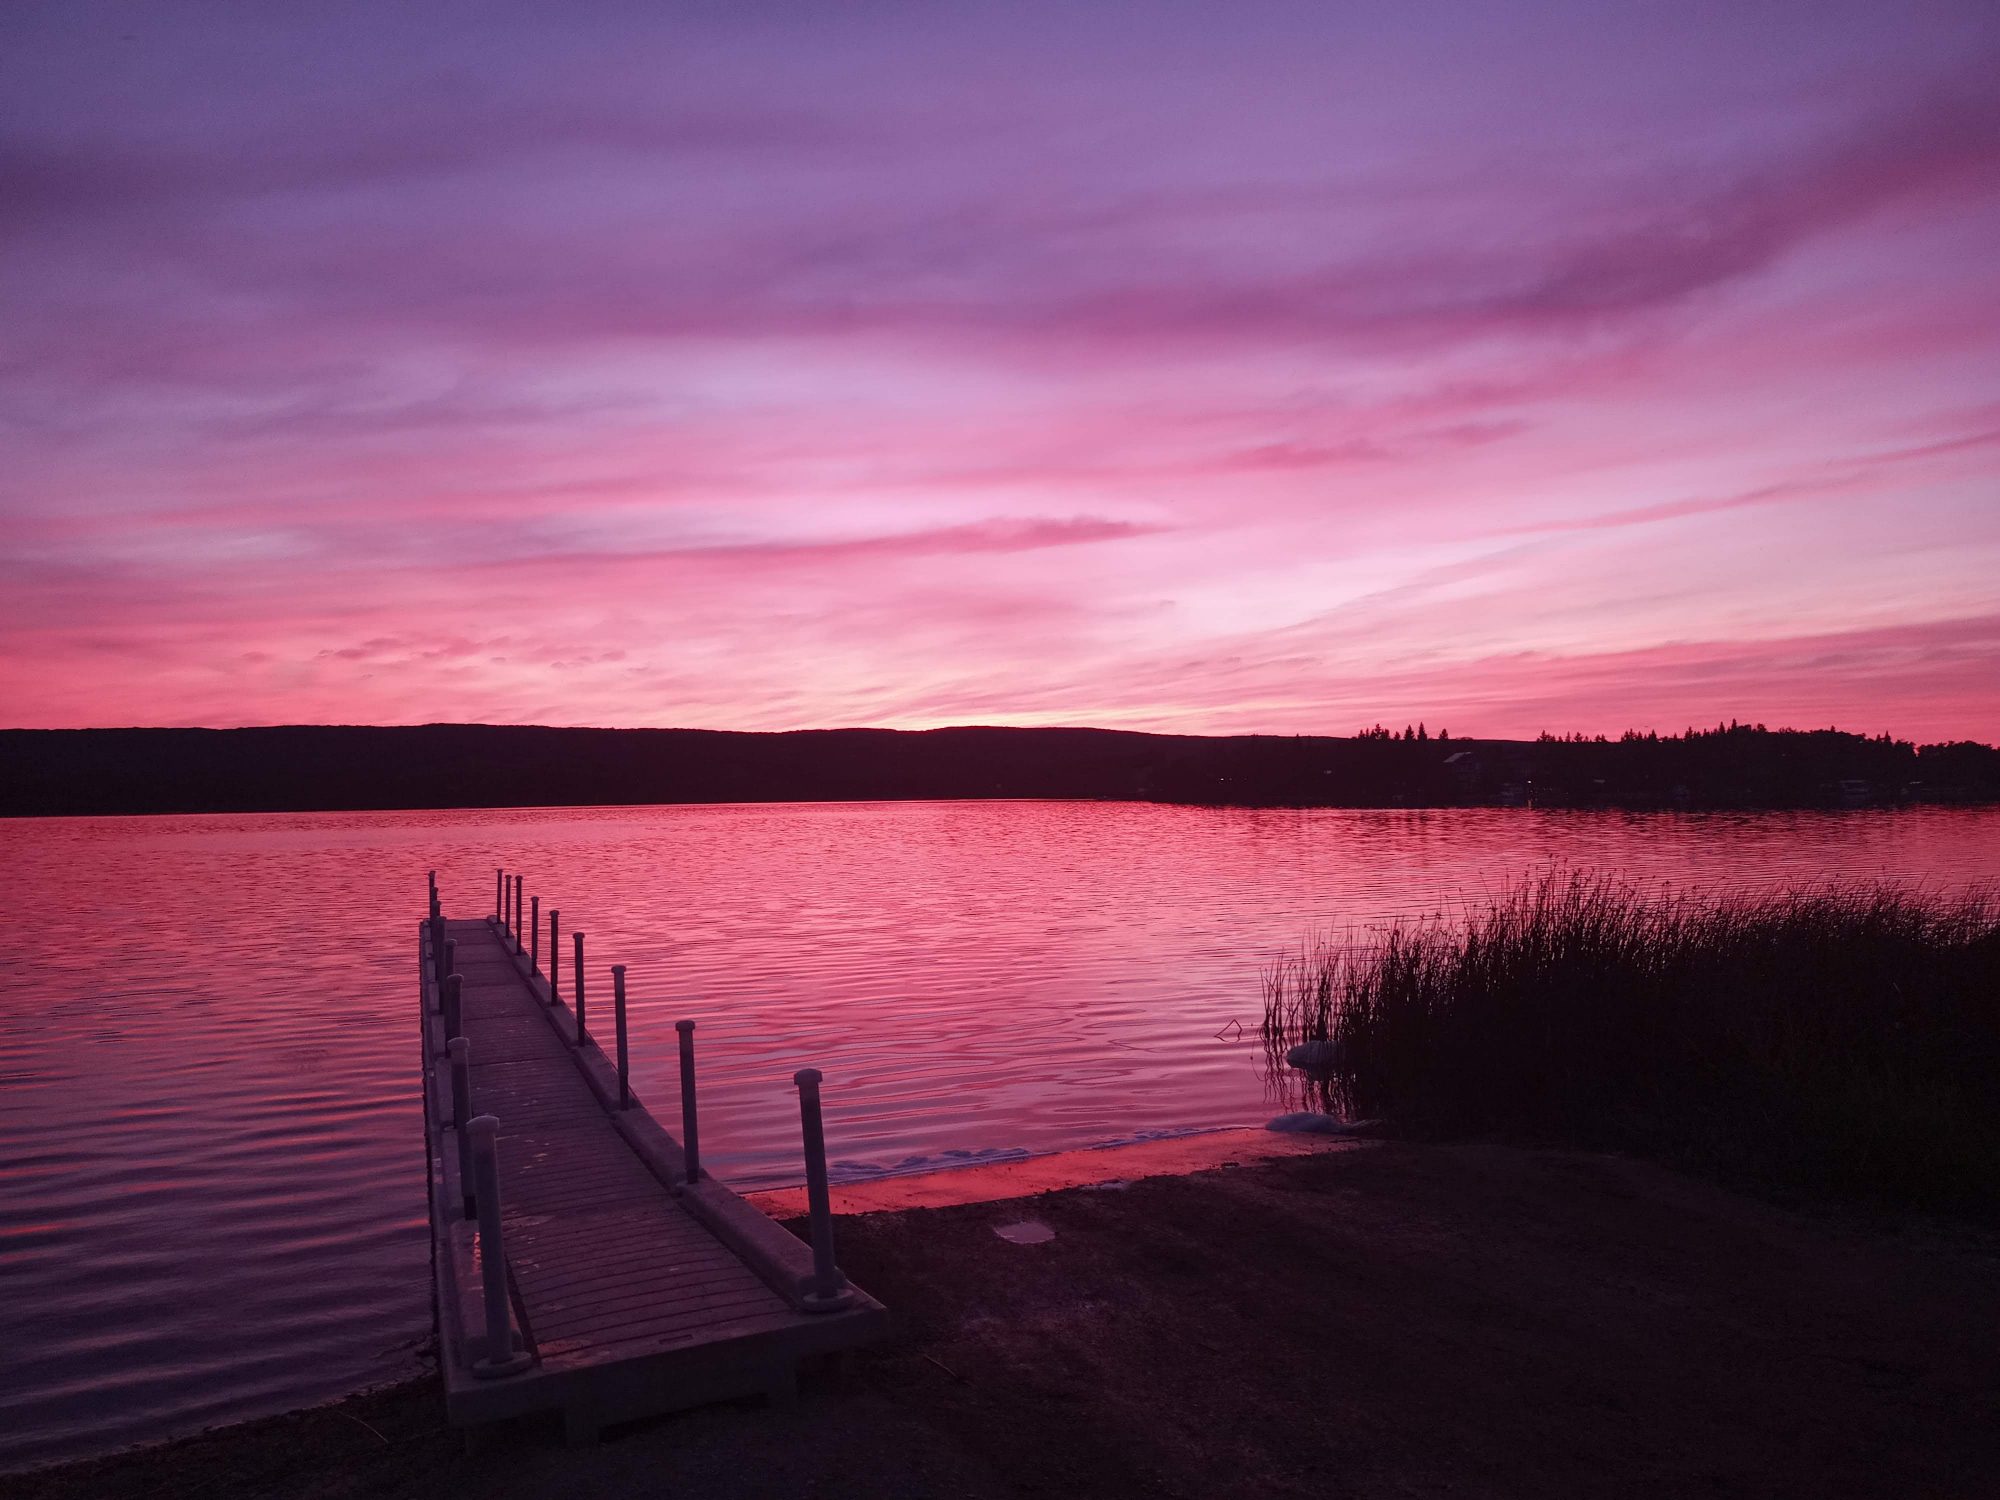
column 1567, row 368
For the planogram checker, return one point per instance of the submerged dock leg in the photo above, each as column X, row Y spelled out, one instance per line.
column 501, row 1357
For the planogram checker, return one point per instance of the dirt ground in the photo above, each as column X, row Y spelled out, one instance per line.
column 1391, row 1321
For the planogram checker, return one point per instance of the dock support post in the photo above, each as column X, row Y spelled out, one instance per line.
column 829, row 1287
column 555, row 956
column 454, row 984
column 624, row 1059
column 690, row 1133
column 439, row 967
column 581, row 1036
column 501, row 1357
column 517, row 912
column 461, row 1117
column 500, row 896
column 534, row 935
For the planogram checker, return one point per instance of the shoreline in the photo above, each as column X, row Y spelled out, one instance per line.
column 1365, row 1317
column 1083, row 1166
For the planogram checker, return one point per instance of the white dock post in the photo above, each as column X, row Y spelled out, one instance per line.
column 517, row 912
column 690, row 1132
column 461, row 1116
column 624, row 1058
column 501, row 1357
column 555, row 957
column 534, row 934
column 500, row 896
column 581, row 1035
column 454, row 985
column 829, row 1288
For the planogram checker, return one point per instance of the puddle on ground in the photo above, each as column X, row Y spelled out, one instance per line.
column 1027, row 1232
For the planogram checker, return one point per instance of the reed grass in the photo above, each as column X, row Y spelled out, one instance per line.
column 1844, row 1038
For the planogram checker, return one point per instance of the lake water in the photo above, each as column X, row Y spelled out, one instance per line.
column 209, row 1130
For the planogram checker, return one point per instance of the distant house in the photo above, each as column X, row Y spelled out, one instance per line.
column 1465, row 766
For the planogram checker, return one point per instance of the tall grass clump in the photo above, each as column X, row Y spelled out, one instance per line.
column 1844, row 1038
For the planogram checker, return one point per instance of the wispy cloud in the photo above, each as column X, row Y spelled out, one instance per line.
column 731, row 369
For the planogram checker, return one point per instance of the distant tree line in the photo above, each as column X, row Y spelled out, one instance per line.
column 297, row 768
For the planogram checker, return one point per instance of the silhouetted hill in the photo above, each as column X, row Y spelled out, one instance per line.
column 305, row 767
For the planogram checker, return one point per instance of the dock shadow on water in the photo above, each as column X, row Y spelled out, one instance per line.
column 1843, row 1037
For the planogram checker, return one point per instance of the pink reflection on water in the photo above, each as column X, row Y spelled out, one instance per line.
column 209, row 1136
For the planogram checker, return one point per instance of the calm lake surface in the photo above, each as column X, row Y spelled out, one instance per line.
column 209, row 1126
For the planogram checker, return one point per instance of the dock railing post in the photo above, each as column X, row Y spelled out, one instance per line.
column 624, row 1059
column 690, row 1129
column 500, row 896
column 454, row 985
column 534, row 935
column 439, row 968
column 461, row 1117
column 555, row 956
column 577, row 938
column 517, row 912
column 501, row 1357
column 829, row 1287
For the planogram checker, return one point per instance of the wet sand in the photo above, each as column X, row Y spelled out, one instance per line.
column 1386, row 1320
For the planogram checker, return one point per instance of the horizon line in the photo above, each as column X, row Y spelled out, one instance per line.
column 1587, row 736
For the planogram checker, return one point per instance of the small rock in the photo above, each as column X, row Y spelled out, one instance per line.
column 1316, row 1059
column 1027, row 1232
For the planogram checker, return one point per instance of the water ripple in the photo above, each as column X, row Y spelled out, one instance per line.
column 209, row 1136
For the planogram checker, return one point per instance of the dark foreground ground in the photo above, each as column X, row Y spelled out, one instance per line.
column 1394, row 1320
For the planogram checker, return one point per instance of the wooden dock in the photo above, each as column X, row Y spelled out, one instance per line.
column 623, row 1288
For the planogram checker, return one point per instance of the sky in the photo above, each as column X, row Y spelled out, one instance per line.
column 1211, row 368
